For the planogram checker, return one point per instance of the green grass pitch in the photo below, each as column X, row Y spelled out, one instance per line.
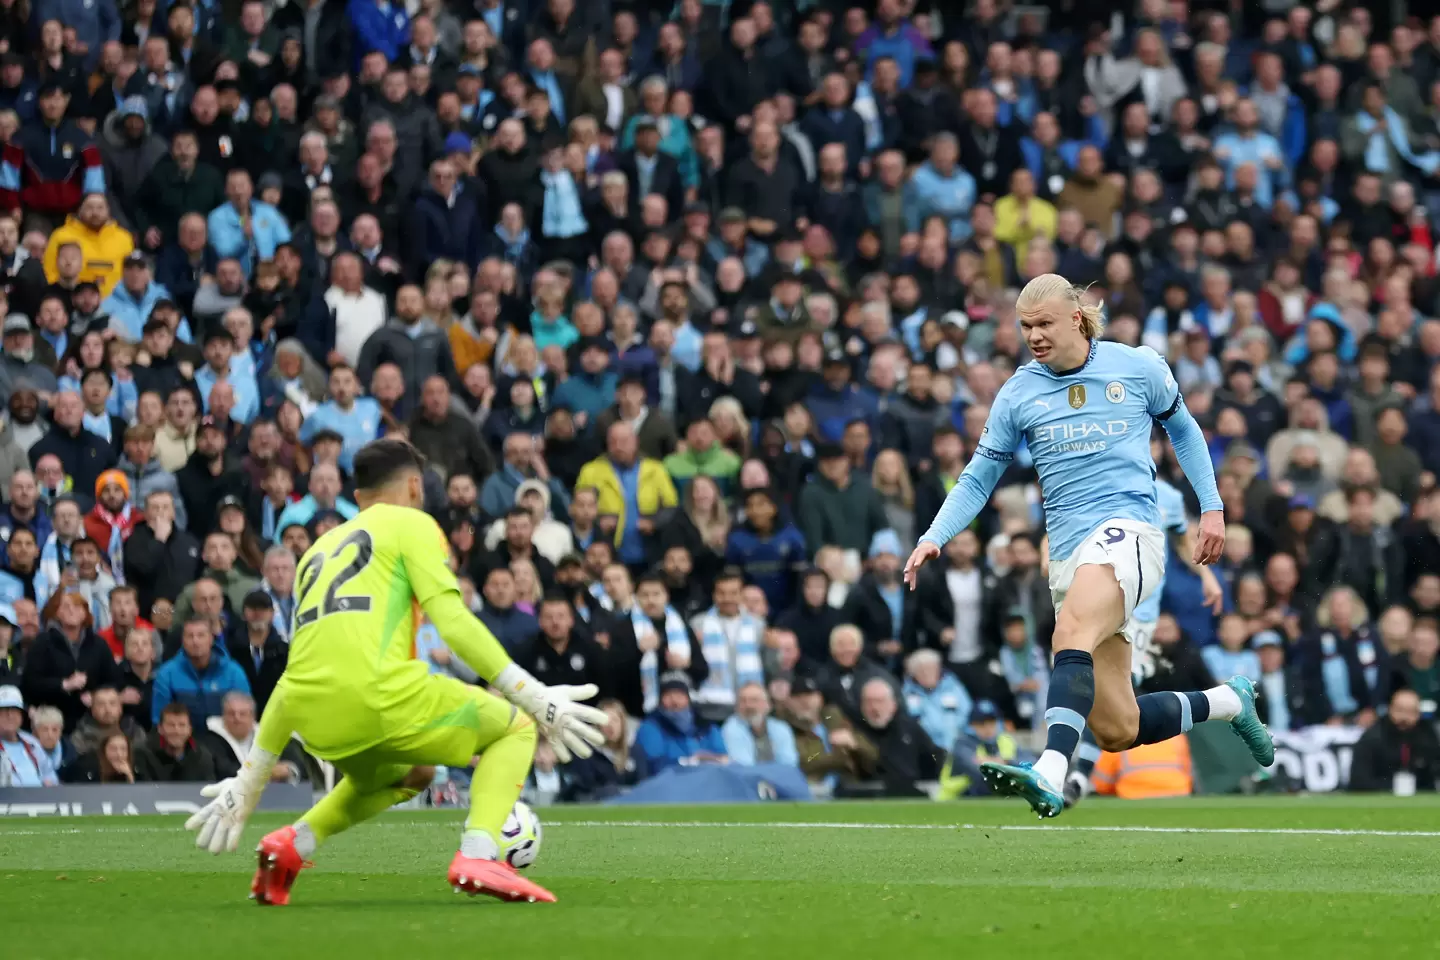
column 1297, row 878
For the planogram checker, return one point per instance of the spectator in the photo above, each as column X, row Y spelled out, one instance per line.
column 172, row 755
column 412, row 342
column 631, row 492
column 52, row 167
column 160, row 557
column 24, row 511
column 84, row 455
column 522, row 461
column 196, row 682
column 1233, row 656
column 258, row 648
column 110, row 523
column 23, row 762
column 104, row 718
column 513, row 627
column 847, row 671
column 551, row 538
column 752, row 736
column 143, row 472
column 767, row 551
column 219, row 555
column 124, row 606
column 68, row 662
column 839, row 507
column 244, row 228
column 355, row 418
column 906, row 754
column 878, row 603
column 982, row 739
column 1274, row 682
column 324, row 495
column 730, row 640
column 1397, row 743
column 649, row 638
column 112, row 761
column 937, row 701
column 562, row 652
column 674, row 734
column 229, row 737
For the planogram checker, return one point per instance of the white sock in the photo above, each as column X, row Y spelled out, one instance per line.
column 479, row 845
column 1224, row 703
column 1053, row 765
column 305, row 842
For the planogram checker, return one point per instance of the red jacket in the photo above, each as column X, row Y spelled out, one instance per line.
column 118, row 648
column 98, row 528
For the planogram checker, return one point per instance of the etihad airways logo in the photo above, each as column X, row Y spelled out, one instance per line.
column 1082, row 436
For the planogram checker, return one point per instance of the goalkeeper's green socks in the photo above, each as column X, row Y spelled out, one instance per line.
column 344, row 807
column 499, row 777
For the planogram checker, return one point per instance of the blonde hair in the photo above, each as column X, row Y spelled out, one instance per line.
column 901, row 488
column 1051, row 286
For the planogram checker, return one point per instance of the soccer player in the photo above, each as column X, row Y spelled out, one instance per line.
column 1179, row 538
column 354, row 691
column 1085, row 408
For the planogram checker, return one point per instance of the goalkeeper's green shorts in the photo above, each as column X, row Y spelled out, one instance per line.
column 448, row 726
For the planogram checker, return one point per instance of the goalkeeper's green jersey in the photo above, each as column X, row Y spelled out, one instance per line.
column 353, row 680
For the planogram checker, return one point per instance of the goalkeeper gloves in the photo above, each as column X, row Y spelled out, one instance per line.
column 573, row 729
column 221, row 822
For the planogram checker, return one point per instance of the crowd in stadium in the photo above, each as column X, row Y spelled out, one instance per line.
column 696, row 311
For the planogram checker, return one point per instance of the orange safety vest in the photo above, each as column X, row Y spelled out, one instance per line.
column 1154, row 770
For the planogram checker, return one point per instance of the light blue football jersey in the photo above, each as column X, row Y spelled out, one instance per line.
column 1088, row 431
column 1173, row 521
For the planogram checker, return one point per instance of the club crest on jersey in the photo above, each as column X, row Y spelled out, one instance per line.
column 1077, row 396
column 1115, row 391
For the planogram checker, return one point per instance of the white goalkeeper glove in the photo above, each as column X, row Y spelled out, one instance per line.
column 221, row 822
column 573, row 729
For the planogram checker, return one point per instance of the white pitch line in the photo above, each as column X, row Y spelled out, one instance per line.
column 823, row 825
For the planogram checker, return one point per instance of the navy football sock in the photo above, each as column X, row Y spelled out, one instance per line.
column 1169, row 714
column 1085, row 755
column 1070, row 699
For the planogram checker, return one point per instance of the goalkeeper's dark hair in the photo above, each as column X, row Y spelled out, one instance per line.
column 381, row 461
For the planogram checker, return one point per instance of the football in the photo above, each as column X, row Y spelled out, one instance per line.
column 520, row 837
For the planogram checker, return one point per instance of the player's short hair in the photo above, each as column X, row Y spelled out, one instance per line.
column 381, row 461
column 554, row 596
column 651, row 576
column 174, row 709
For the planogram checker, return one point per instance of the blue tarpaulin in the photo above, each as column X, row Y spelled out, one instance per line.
column 714, row 784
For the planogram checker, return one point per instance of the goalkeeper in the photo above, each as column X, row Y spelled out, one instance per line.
column 358, row 698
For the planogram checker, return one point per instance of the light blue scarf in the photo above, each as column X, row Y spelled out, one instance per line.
column 676, row 638
column 1376, row 158
column 728, row 674
column 1335, row 673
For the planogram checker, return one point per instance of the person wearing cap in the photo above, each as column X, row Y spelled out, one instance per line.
column 23, row 762
column 839, row 507
column 673, row 734
column 84, row 455
column 591, row 389
column 878, row 604
column 981, row 739
column 784, row 315
column 18, row 363
column 830, row 749
column 1275, row 696
column 733, row 240
column 110, row 522
column 835, row 401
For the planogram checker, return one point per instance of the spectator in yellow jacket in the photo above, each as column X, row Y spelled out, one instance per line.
column 1020, row 216
column 103, row 244
column 631, row 489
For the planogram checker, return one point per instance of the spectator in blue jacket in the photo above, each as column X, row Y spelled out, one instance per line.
column 591, row 389
column 199, row 678
column 243, row 227
column 673, row 735
column 835, row 402
column 512, row 626
column 752, row 736
column 355, row 418
column 130, row 303
column 379, row 26
column 444, row 219
column 892, row 36
column 934, row 697
column 769, row 551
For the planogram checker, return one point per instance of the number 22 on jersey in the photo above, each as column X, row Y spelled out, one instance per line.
column 333, row 601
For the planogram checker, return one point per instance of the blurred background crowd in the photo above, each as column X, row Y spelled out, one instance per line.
column 696, row 309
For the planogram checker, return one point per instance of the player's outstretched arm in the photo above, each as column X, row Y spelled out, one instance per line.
column 962, row 505
column 219, row 824
column 572, row 728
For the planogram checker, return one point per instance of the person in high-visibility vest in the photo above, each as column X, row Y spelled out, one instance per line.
column 982, row 739
column 1153, row 770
